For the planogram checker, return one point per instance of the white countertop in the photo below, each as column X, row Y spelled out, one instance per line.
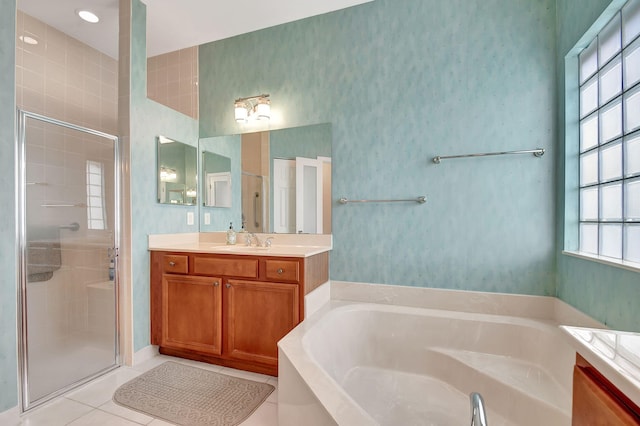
column 283, row 245
column 616, row 354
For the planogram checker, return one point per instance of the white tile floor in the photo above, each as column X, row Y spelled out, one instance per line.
column 92, row 404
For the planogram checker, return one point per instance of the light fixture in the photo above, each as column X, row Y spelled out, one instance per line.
column 167, row 174
column 28, row 40
column 252, row 107
column 87, row 15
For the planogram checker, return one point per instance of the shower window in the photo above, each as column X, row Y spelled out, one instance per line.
column 95, row 196
column 609, row 81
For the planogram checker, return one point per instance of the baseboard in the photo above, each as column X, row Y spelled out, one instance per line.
column 145, row 354
column 10, row 417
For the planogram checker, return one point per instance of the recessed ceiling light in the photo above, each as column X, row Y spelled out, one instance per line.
column 28, row 40
column 88, row 16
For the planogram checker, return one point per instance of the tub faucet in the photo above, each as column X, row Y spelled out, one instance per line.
column 478, row 415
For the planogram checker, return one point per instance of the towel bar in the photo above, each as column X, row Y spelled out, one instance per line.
column 420, row 200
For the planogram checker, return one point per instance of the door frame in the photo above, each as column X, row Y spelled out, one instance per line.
column 21, row 246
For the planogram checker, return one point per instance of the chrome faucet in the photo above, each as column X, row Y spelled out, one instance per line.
column 478, row 415
column 259, row 243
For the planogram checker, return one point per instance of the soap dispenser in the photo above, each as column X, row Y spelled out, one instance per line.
column 231, row 235
column 243, row 234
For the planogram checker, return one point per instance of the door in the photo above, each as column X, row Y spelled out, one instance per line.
column 68, row 237
column 218, row 189
column 309, row 195
column 192, row 313
column 258, row 315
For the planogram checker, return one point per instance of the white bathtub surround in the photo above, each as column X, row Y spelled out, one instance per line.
column 316, row 299
column 517, row 305
column 615, row 354
column 380, row 362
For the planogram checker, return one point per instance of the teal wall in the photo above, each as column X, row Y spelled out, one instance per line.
column 8, row 260
column 148, row 120
column 607, row 293
column 402, row 81
column 308, row 141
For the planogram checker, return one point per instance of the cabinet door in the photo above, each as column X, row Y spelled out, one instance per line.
column 594, row 405
column 192, row 313
column 258, row 315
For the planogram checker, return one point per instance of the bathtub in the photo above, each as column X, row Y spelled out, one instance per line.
column 354, row 363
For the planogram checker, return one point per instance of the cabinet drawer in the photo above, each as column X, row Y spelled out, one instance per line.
column 233, row 267
column 282, row 270
column 175, row 264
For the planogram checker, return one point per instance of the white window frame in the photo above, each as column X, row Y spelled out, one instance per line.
column 96, row 210
column 574, row 245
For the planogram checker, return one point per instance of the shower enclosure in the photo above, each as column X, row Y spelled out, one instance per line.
column 68, row 241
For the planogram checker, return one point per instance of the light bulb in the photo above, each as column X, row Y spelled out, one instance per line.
column 241, row 112
column 263, row 109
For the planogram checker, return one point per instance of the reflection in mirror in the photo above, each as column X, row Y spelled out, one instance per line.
column 213, row 218
column 216, row 179
column 177, row 172
column 285, row 180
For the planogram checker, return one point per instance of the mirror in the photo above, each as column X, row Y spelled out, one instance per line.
column 216, row 180
column 177, row 172
column 281, row 180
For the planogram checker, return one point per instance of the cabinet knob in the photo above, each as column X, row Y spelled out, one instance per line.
column 228, row 285
column 172, row 263
column 216, row 283
column 280, row 270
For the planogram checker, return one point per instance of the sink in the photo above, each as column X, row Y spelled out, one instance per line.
column 243, row 248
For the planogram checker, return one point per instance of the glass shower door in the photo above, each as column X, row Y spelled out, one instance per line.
column 68, row 238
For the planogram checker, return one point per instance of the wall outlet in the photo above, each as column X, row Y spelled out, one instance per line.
column 207, row 218
column 190, row 218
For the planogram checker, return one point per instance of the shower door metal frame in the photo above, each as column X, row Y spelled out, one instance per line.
column 21, row 246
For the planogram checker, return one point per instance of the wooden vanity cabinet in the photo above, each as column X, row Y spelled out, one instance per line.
column 229, row 309
column 597, row 402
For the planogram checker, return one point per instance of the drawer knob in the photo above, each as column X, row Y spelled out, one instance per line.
column 228, row 285
column 280, row 270
column 172, row 263
column 216, row 284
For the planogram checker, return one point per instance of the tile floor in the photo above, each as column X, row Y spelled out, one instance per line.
column 92, row 404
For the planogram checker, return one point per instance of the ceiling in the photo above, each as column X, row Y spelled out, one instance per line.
column 173, row 25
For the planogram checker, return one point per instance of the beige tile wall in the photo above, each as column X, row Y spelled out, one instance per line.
column 172, row 80
column 61, row 77
column 64, row 79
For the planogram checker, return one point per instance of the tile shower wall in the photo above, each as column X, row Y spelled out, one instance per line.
column 402, row 82
column 172, row 80
column 62, row 78
column 8, row 261
column 607, row 293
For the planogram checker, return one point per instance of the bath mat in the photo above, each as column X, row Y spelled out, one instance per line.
column 191, row 396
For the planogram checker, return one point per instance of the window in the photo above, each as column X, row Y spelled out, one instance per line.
column 609, row 77
column 95, row 196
